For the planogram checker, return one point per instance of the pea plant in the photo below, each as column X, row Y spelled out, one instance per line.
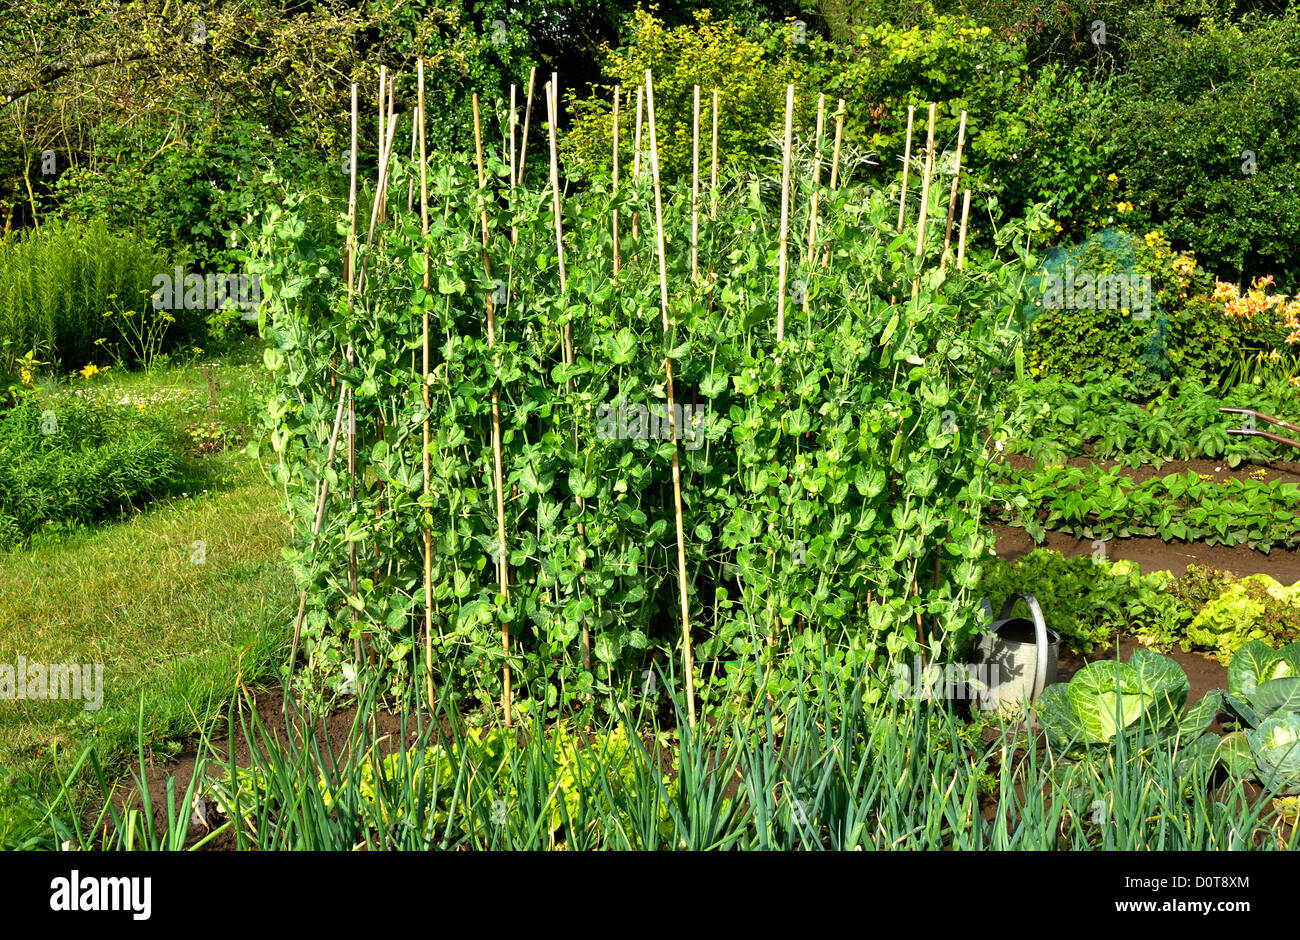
column 828, row 445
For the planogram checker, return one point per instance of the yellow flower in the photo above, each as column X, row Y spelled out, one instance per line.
column 26, row 376
column 1125, row 207
column 90, row 370
column 1112, row 178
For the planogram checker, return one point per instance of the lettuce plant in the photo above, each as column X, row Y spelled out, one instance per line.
column 1088, row 602
column 1106, row 699
column 1252, row 610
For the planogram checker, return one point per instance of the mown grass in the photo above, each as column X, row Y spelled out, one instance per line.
column 180, row 603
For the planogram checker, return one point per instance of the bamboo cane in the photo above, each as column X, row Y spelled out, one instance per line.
column 783, row 262
column 636, row 162
column 528, row 114
column 782, row 268
column 514, row 114
column 925, row 203
column 553, row 107
column 381, row 196
column 502, row 560
column 817, row 181
column 390, row 136
column 817, row 174
column 835, row 168
column 713, row 187
column 352, row 198
column 410, row 184
column 553, row 110
column 961, row 240
column 907, row 165
column 672, row 420
column 952, row 194
column 614, row 223
column 424, row 398
column 383, row 109
column 349, row 356
column 322, row 494
column 713, row 179
column 695, row 187
column 376, row 210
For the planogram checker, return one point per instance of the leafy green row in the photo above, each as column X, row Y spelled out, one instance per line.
column 1088, row 601
column 1093, row 504
column 70, row 463
column 1052, row 420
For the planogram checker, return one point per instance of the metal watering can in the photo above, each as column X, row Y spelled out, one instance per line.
column 1018, row 655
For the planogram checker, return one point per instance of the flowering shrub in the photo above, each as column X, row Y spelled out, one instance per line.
column 1175, row 274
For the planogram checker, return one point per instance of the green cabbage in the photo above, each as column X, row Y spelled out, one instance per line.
column 1275, row 746
column 1264, row 700
column 1257, row 663
column 1107, row 698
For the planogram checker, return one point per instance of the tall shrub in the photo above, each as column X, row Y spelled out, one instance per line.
column 57, row 285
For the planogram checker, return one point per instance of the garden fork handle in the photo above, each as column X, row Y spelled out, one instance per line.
column 1242, row 432
column 1263, row 417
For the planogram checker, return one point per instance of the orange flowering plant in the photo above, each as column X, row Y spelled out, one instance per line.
column 1274, row 319
column 1258, row 307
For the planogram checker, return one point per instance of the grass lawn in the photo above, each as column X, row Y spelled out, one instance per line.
column 180, row 602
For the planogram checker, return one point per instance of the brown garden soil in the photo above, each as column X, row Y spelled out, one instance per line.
column 330, row 733
column 1152, row 554
column 1288, row 471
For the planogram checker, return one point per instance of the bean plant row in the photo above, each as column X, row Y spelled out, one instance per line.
column 833, row 480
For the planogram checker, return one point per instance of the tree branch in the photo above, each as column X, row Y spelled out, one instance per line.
column 59, row 68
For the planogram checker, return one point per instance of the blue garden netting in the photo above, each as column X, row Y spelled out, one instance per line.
column 1100, row 276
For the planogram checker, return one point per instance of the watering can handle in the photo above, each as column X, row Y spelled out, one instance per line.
column 1040, row 637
